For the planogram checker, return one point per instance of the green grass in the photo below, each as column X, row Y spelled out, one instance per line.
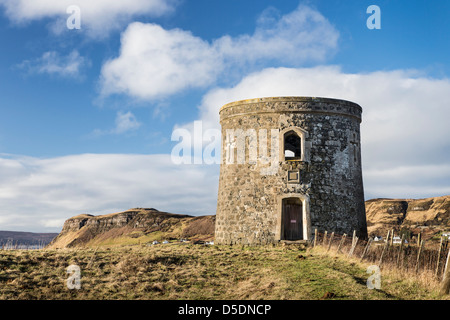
column 128, row 240
column 196, row 272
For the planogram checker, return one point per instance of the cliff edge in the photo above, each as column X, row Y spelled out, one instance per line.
column 429, row 216
column 134, row 226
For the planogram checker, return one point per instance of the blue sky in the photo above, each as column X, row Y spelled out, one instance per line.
column 87, row 113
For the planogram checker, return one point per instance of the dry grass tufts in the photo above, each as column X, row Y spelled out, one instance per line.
column 195, row 272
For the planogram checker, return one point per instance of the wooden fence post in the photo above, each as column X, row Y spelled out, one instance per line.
column 384, row 249
column 331, row 239
column 391, row 241
column 392, row 238
column 366, row 249
column 354, row 237
column 418, row 255
column 324, row 238
column 353, row 247
column 315, row 237
column 341, row 242
column 400, row 250
column 445, row 288
column 439, row 257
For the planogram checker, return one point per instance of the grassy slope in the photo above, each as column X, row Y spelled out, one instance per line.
column 183, row 271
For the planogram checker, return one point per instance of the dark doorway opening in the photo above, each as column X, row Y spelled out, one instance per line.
column 292, row 219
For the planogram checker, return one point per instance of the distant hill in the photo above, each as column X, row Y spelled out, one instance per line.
column 13, row 238
column 134, row 226
column 430, row 216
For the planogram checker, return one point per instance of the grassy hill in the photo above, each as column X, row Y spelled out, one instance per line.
column 117, row 261
column 134, row 226
column 194, row 272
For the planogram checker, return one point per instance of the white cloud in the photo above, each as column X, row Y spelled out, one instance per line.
column 154, row 62
column 53, row 223
column 405, row 121
column 125, row 123
column 98, row 17
column 52, row 63
column 39, row 194
column 302, row 35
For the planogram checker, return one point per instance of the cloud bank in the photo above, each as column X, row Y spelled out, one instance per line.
column 98, row 17
column 154, row 63
column 53, row 63
column 40, row 194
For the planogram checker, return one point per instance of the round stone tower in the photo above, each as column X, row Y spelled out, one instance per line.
column 289, row 165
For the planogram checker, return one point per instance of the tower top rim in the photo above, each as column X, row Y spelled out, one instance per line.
column 287, row 104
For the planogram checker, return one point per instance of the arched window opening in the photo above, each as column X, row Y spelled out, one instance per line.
column 292, row 146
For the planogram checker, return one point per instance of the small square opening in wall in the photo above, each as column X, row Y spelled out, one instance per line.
column 293, row 176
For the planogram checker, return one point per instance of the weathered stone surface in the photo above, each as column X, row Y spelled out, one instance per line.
column 249, row 208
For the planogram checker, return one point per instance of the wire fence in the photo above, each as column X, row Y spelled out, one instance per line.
column 392, row 252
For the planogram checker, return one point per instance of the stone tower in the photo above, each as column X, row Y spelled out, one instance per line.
column 289, row 165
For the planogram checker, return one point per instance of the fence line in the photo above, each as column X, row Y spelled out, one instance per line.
column 409, row 256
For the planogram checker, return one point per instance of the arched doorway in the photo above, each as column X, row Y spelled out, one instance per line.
column 292, row 219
